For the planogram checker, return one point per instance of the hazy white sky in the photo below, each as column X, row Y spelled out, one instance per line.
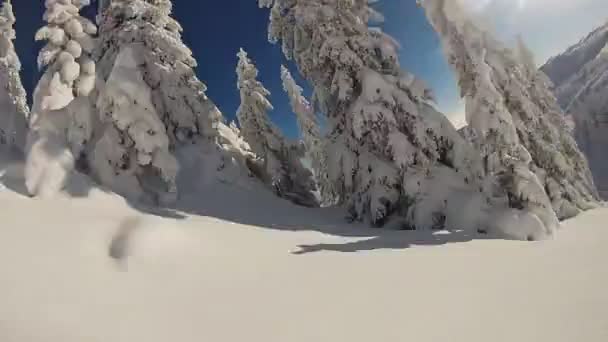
column 548, row 26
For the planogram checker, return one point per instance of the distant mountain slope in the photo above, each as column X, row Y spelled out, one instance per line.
column 564, row 66
column 580, row 77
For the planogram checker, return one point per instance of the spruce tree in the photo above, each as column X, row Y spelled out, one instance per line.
column 310, row 133
column 69, row 72
column 161, row 107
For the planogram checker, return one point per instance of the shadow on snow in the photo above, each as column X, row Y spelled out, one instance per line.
column 258, row 207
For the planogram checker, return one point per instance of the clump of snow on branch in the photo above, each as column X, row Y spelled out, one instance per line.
column 13, row 101
column 281, row 162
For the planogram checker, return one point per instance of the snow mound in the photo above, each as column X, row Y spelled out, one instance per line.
column 49, row 165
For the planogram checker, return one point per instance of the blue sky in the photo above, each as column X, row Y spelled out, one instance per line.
column 215, row 30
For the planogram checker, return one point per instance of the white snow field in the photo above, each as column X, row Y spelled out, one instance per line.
column 254, row 268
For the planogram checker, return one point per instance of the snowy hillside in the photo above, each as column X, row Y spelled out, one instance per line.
column 580, row 76
column 96, row 269
column 562, row 68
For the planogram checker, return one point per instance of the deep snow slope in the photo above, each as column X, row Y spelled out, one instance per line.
column 253, row 268
column 580, row 76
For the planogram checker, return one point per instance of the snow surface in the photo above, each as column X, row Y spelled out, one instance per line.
column 245, row 266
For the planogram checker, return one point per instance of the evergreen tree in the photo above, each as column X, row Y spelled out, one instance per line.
column 515, row 121
column 282, row 162
column 13, row 102
column 69, row 73
column 310, row 133
column 160, row 106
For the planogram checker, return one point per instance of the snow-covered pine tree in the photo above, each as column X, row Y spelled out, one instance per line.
column 389, row 151
column 282, row 163
column 13, row 102
column 70, row 73
column 310, row 132
column 152, row 102
column 516, row 122
column 70, row 70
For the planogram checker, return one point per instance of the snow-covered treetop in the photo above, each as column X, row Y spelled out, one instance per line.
column 247, row 81
column 294, row 91
column 167, row 64
column 257, row 129
column 148, row 21
column 309, row 127
column 67, row 52
column 7, row 20
column 466, row 49
column 66, row 31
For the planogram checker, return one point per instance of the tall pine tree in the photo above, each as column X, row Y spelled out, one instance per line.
column 310, row 132
column 152, row 102
column 69, row 73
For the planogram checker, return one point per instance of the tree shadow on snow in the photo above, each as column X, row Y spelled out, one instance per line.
column 261, row 209
column 257, row 207
column 169, row 213
column 394, row 240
